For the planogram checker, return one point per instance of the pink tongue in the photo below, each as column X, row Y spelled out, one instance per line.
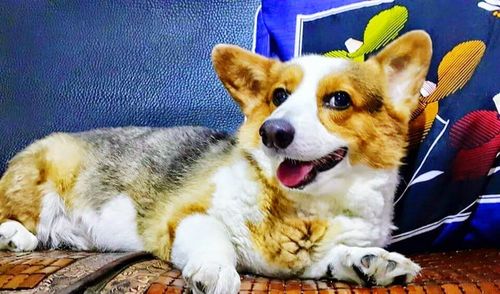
column 292, row 174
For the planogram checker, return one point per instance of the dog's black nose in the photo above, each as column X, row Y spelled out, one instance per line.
column 277, row 133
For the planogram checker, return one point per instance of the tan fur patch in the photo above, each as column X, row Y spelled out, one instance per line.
column 243, row 74
column 283, row 76
column 384, row 91
column 49, row 165
column 158, row 227
column 251, row 80
column 63, row 159
column 404, row 64
column 179, row 215
column 375, row 132
column 283, row 238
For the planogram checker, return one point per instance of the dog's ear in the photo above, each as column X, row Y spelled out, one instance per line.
column 405, row 63
column 244, row 74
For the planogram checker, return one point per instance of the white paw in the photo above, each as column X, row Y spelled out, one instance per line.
column 15, row 237
column 211, row 278
column 374, row 266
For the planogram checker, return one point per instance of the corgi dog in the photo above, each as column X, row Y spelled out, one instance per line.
column 305, row 189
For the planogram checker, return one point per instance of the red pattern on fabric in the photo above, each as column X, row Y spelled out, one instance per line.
column 477, row 136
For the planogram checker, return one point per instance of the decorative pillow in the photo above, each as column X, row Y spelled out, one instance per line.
column 449, row 195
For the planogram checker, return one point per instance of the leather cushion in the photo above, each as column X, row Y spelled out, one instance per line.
column 77, row 65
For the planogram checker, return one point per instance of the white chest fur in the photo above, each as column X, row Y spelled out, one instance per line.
column 363, row 211
column 235, row 203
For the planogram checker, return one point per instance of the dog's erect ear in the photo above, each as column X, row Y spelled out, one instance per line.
column 244, row 74
column 405, row 63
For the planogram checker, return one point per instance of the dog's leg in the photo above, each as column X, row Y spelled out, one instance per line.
column 203, row 251
column 365, row 266
column 15, row 237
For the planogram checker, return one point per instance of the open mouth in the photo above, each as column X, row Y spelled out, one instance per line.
column 297, row 174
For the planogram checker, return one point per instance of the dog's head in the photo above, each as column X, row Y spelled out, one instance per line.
column 310, row 120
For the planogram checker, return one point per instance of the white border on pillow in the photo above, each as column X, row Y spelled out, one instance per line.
column 301, row 18
column 254, row 40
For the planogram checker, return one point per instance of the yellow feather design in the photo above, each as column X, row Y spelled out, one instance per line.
column 381, row 29
column 420, row 126
column 420, row 107
column 337, row 54
column 456, row 69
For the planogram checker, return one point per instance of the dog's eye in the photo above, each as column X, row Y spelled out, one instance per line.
column 279, row 96
column 339, row 100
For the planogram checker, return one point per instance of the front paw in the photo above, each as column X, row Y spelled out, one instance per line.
column 15, row 237
column 211, row 278
column 373, row 266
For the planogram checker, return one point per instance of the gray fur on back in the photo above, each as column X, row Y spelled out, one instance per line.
column 147, row 160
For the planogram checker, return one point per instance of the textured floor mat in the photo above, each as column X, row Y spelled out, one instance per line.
column 473, row 271
column 26, row 270
column 60, row 271
column 455, row 272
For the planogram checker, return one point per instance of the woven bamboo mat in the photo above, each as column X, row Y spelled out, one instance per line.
column 60, row 271
column 26, row 270
column 472, row 271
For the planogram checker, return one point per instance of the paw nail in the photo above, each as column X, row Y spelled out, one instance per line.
column 391, row 265
column 367, row 280
column 200, row 287
column 367, row 260
column 399, row 280
column 12, row 245
column 329, row 270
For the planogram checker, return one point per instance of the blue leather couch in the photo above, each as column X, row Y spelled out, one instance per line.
column 81, row 64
